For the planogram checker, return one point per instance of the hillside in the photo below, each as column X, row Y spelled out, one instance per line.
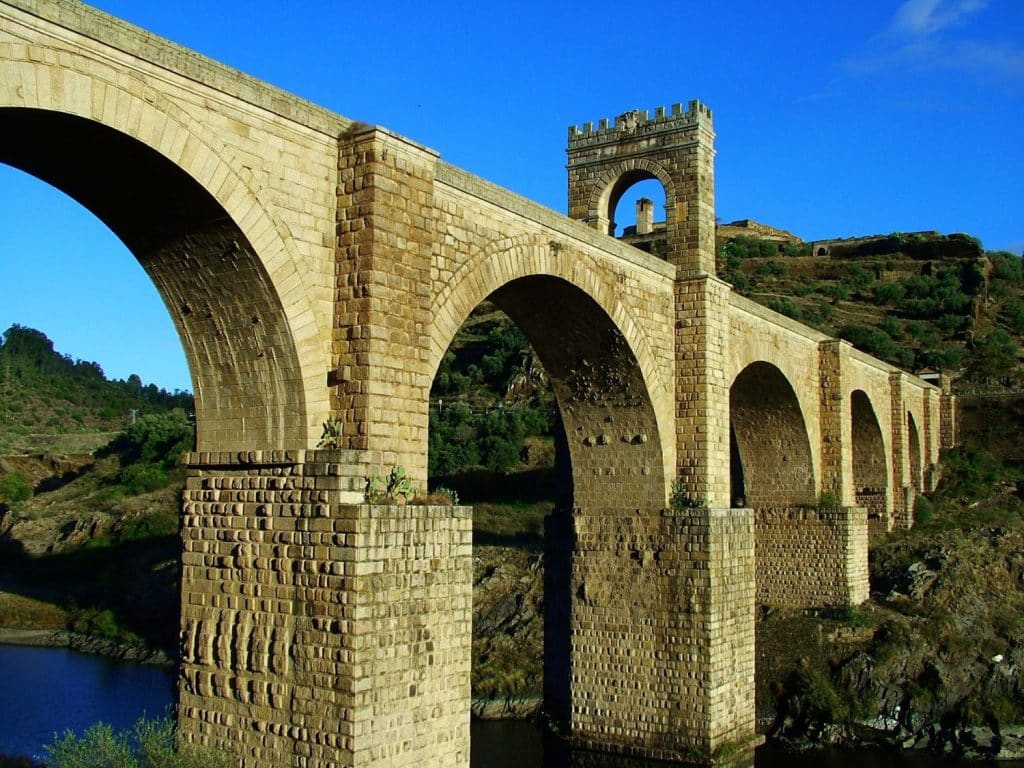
column 52, row 403
column 923, row 301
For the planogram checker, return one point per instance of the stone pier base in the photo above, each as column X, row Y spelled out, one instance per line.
column 319, row 633
column 811, row 557
column 662, row 632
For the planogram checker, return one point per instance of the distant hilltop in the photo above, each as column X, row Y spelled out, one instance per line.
column 927, row 244
column 751, row 228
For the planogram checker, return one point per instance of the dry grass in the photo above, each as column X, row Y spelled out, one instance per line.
column 21, row 612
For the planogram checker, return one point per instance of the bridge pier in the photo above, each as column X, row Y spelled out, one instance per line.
column 319, row 632
column 790, row 539
column 661, row 630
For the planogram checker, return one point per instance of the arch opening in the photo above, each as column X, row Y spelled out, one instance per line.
column 607, row 468
column 870, row 479
column 638, row 214
column 237, row 342
column 914, row 453
column 770, row 441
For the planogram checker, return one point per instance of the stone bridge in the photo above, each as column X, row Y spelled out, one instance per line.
column 318, row 268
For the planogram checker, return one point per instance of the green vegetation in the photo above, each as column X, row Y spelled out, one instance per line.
column 921, row 301
column 149, row 449
column 46, row 397
column 680, row 498
column 15, row 488
column 942, row 630
column 151, row 744
column 112, row 576
column 975, row 490
column 390, row 489
column 479, row 417
column 461, row 437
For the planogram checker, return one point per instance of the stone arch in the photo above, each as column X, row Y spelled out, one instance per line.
column 769, row 437
column 512, row 259
column 870, row 468
column 607, row 192
column 914, row 453
column 223, row 264
column 616, row 478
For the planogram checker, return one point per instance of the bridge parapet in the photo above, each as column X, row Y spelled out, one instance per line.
column 97, row 26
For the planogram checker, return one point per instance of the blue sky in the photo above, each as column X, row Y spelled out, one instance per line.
column 833, row 119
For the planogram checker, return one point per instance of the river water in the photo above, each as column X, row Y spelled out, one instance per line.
column 45, row 691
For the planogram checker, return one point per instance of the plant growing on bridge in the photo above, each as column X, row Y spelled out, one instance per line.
column 828, row 500
column 680, row 498
column 331, row 437
column 392, row 488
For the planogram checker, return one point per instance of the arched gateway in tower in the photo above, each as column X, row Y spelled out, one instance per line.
column 316, row 270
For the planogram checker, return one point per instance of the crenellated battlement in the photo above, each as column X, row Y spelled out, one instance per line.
column 640, row 120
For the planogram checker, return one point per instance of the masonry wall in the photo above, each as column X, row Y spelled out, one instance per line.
column 381, row 373
column 811, row 557
column 702, row 388
column 662, row 631
column 543, row 266
column 316, row 632
column 675, row 147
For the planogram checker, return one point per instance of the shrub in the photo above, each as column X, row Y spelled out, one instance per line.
column 821, row 700
column 143, row 477
column 785, row 306
column 968, row 472
column 1015, row 313
column 854, row 615
column 100, row 747
column 924, row 510
column 156, row 439
column 828, row 500
column 770, row 268
column 994, row 357
column 151, row 744
column 887, row 292
column 1006, row 266
column 871, row 340
column 891, row 326
column 15, row 488
column 858, row 278
column 97, row 622
column 836, row 292
column 680, row 498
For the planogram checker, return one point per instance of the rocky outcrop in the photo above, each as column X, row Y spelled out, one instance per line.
column 942, row 666
column 508, row 632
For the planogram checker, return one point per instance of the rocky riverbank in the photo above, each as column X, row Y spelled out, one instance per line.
column 76, row 641
column 934, row 661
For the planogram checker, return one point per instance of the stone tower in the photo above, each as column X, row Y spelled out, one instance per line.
column 677, row 149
